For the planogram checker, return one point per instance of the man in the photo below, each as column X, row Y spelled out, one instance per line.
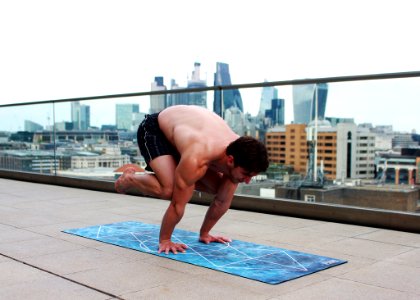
column 191, row 148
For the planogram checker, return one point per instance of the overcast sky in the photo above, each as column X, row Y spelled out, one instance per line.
column 52, row 49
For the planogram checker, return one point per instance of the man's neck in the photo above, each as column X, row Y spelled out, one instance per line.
column 220, row 164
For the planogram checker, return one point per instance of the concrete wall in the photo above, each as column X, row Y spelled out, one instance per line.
column 401, row 200
column 405, row 200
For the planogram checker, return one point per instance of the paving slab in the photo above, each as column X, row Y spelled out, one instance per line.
column 39, row 261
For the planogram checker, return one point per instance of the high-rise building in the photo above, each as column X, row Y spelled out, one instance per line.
column 85, row 117
column 158, row 102
column 235, row 119
column 276, row 112
column 355, row 152
column 125, row 116
column 189, row 98
column 80, row 116
column 177, row 98
column 197, row 98
column 268, row 93
column 304, row 98
column 75, row 114
column 231, row 97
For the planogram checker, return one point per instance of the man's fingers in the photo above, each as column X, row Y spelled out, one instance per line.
column 173, row 247
column 215, row 239
column 222, row 239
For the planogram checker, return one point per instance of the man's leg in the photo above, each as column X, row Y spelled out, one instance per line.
column 159, row 185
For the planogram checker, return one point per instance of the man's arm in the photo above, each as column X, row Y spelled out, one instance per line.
column 187, row 173
column 217, row 209
column 172, row 216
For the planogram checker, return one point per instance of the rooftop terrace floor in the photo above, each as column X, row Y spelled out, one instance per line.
column 38, row 261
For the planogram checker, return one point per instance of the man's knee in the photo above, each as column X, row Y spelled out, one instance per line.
column 166, row 193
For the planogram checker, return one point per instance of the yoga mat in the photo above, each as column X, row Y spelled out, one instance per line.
column 253, row 261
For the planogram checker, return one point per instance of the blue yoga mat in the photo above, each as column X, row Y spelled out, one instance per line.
column 258, row 262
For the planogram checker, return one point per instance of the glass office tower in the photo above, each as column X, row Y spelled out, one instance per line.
column 231, row 98
column 304, row 102
column 189, row 98
column 177, row 98
column 125, row 115
column 197, row 98
column 268, row 93
column 158, row 102
column 80, row 116
column 276, row 112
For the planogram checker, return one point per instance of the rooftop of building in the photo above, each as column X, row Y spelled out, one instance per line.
column 39, row 261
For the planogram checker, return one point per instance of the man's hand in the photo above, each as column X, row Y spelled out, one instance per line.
column 207, row 239
column 168, row 246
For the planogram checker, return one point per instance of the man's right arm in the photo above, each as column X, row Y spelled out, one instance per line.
column 187, row 173
column 171, row 218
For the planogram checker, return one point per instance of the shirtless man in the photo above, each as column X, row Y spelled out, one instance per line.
column 191, row 148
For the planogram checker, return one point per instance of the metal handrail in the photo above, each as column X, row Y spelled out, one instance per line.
column 381, row 76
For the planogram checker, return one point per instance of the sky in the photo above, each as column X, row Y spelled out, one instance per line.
column 54, row 49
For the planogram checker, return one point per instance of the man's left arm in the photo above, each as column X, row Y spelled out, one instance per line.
column 217, row 209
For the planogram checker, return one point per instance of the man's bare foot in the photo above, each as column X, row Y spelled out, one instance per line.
column 123, row 183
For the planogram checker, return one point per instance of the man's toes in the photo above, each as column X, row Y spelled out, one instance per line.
column 130, row 170
column 118, row 186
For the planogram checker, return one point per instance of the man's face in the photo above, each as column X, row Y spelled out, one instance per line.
column 239, row 174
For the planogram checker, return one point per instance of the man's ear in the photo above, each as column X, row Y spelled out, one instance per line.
column 231, row 161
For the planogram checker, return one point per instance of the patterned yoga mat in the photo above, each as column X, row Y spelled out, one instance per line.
column 254, row 261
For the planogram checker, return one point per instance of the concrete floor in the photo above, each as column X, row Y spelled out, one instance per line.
column 38, row 261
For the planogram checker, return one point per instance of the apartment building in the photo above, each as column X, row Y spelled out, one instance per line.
column 343, row 151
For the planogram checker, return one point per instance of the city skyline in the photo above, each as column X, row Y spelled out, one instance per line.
column 63, row 111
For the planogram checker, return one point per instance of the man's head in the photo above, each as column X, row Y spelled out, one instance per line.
column 249, row 154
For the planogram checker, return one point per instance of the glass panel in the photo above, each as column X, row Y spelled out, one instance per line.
column 366, row 148
column 357, row 147
column 23, row 146
column 96, row 137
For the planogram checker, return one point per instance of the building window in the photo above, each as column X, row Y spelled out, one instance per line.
column 310, row 198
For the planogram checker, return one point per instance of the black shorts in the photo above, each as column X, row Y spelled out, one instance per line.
column 152, row 142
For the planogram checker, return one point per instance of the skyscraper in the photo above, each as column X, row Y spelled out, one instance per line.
column 304, row 102
column 191, row 98
column 85, row 117
column 267, row 94
column 197, row 98
column 125, row 115
column 276, row 112
column 177, row 98
column 231, row 97
column 157, row 102
column 80, row 116
column 235, row 120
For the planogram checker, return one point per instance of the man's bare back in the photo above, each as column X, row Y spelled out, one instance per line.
column 186, row 126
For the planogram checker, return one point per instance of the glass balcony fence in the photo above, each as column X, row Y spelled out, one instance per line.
column 341, row 142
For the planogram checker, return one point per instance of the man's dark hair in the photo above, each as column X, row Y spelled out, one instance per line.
column 249, row 153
